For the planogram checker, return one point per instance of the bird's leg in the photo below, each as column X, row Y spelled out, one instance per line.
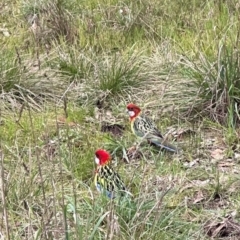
column 138, row 144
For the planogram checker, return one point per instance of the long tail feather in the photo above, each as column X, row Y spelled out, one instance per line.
column 164, row 144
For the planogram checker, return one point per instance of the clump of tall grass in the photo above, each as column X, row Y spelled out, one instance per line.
column 118, row 75
column 217, row 82
column 52, row 19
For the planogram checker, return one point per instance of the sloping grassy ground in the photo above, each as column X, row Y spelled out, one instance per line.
column 67, row 71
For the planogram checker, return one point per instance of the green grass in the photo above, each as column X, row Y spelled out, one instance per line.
column 64, row 84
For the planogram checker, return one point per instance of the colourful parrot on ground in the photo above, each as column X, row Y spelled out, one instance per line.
column 144, row 127
column 106, row 180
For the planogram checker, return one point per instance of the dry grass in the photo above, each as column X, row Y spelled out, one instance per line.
column 66, row 77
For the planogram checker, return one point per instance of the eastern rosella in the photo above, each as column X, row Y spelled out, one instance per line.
column 144, row 127
column 106, row 180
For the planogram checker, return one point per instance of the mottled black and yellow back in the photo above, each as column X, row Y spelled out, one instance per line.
column 108, row 182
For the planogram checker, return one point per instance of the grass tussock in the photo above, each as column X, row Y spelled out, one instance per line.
column 218, row 84
column 67, row 71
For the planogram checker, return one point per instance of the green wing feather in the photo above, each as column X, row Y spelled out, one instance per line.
column 142, row 126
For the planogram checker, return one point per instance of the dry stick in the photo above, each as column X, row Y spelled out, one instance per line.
column 236, row 110
column 20, row 115
column 111, row 221
column 61, row 176
column 65, row 106
column 65, row 93
column 159, row 204
column 18, row 56
column 40, row 173
column 37, row 52
column 3, row 196
column 53, row 199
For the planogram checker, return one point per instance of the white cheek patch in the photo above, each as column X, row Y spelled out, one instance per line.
column 97, row 161
column 131, row 113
